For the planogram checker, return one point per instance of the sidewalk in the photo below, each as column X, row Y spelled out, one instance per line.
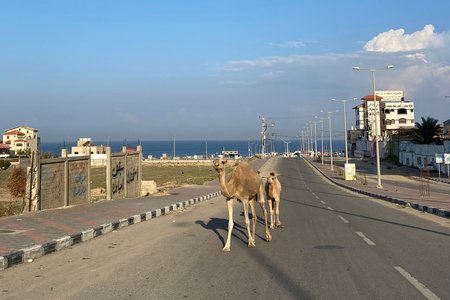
column 398, row 187
column 29, row 236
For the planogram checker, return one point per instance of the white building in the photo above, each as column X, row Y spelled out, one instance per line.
column 392, row 113
column 21, row 139
column 417, row 155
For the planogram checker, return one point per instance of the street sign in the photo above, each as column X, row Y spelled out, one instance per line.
column 447, row 158
column 439, row 159
column 350, row 172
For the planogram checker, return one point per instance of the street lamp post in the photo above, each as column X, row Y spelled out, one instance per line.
column 377, row 116
column 331, row 139
column 321, row 129
column 345, row 126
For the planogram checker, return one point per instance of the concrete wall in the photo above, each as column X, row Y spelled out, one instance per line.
column 64, row 181
column 51, row 174
column 79, row 181
column 123, row 174
column 417, row 155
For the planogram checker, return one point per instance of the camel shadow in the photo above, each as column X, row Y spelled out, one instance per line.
column 216, row 224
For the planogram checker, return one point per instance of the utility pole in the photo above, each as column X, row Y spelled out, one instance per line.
column 264, row 126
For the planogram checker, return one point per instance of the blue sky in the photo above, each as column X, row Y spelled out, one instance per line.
column 152, row 70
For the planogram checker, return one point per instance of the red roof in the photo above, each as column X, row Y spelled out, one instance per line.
column 4, row 146
column 370, row 98
column 15, row 132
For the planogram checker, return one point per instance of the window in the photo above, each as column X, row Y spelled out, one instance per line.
column 387, row 122
column 387, row 110
column 402, row 111
column 402, row 121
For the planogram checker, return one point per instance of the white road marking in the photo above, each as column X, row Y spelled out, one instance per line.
column 317, row 197
column 422, row 288
column 343, row 219
column 369, row 242
column 330, row 208
column 323, row 202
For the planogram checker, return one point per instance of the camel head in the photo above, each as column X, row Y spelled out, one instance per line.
column 272, row 177
column 219, row 165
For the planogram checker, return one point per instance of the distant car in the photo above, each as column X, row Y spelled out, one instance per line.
column 427, row 167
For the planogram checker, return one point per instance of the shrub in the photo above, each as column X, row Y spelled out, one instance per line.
column 17, row 183
column 4, row 164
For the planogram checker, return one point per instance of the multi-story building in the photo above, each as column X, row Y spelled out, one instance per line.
column 21, row 139
column 392, row 114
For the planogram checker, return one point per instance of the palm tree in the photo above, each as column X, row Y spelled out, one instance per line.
column 428, row 130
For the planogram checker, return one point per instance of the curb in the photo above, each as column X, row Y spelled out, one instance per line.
column 36, row 251
column 424, row 208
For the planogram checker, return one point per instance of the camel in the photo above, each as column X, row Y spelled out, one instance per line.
column 246, row 186
column 273, row 190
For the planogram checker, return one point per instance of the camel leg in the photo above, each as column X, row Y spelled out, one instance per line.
column 254, row 218
column 277, row 212
column 230, row 225
column 272, row 216
column 251, row 242
column 262, row 201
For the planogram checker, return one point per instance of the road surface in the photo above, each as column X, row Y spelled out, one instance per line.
column 334, row 245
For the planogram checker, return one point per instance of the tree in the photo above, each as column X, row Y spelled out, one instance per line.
column 428, row 130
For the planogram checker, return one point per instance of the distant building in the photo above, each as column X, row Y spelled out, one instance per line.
column 391, row 115
column 21, row 139
column 446, row 129
column 85, row 147
column 233, row 154
column 4, row 150
column 394, row 117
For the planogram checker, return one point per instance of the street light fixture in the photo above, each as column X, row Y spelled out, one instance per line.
column 345, row 126
column 377, row 116
column 331, row 139
column 321, row 123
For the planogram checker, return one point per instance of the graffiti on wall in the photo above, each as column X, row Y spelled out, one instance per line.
column 117, row 176
column 79, row 184
column 52, row 185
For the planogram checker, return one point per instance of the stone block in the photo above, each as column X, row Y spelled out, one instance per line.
column 148, row 187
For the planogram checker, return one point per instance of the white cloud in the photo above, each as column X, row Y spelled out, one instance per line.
column 397, row 41
column 291, row 44
column 277, row 61
column 417, row 56
column 272, row 75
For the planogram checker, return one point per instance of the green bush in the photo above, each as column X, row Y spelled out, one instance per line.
column 4, row 164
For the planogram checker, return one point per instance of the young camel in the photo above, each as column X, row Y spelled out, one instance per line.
column 246, row 186
column 273, row 190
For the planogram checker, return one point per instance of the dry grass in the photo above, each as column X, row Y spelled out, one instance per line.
column 163, row 175
column 9, row 208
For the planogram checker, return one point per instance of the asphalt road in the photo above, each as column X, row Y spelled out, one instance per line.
column 334, row 245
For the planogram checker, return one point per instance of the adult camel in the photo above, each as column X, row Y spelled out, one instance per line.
column 246, row 186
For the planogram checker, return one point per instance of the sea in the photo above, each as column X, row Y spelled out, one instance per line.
column 191, row 148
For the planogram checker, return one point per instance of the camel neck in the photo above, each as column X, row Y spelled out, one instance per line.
column 224, row 187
